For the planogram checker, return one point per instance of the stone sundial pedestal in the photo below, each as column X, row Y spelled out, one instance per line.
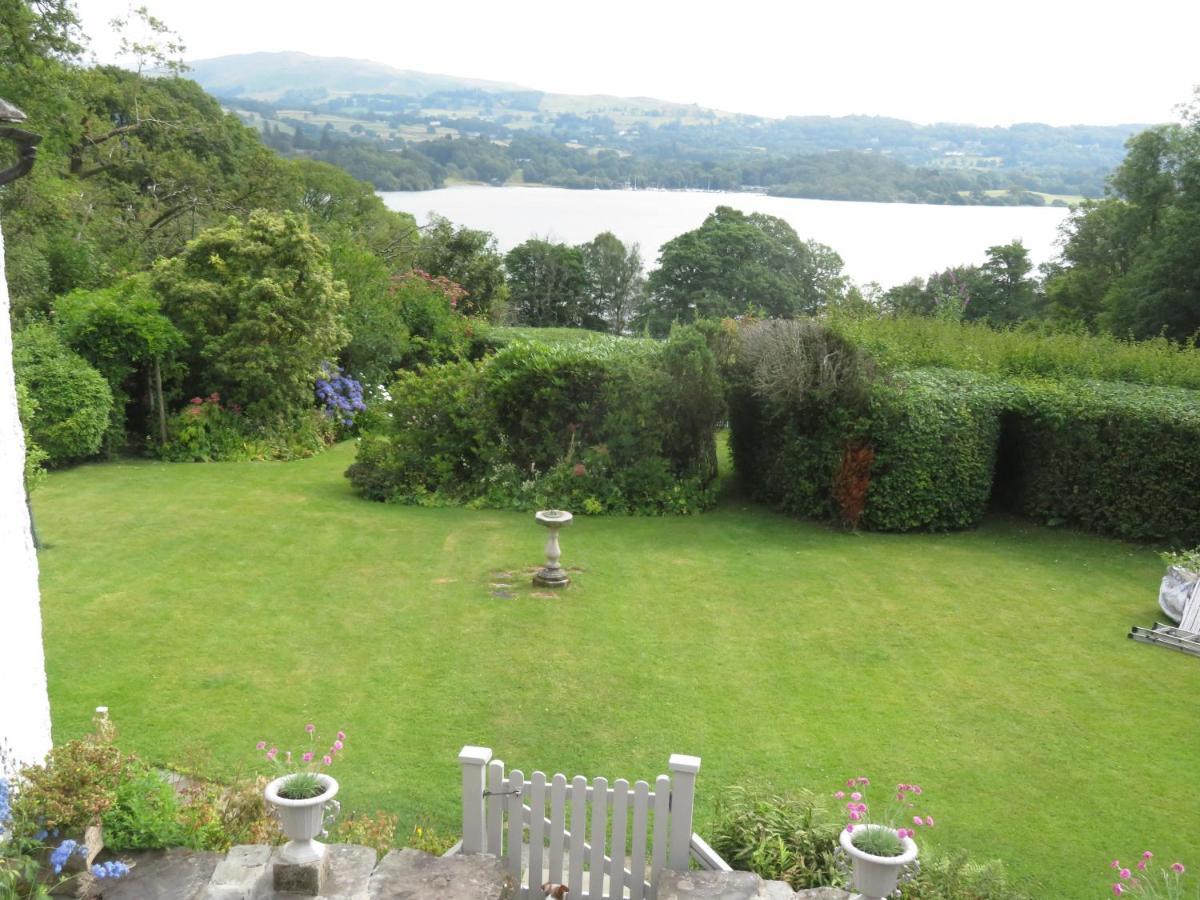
column 552, row 574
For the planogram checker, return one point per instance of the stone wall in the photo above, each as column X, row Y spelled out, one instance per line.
column 24, row 703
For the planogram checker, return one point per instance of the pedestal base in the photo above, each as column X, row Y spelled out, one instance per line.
column 553, row 578
column 301, row 878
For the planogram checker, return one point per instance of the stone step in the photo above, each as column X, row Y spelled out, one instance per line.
column 412, row 875
column 736, row 886
column 353, row 873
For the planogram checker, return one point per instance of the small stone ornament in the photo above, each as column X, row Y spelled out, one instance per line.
column 552, row 574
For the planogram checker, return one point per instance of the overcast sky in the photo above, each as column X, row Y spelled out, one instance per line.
column 965, row 61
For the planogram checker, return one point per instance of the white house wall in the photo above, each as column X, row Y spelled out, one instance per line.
column 24, row 703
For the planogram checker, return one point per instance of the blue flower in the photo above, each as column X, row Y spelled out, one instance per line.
column 61, row 853
column 110, row 869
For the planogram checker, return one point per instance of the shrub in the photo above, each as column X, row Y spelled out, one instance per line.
column 954, row 876
column 34, row 472
column 611, row 425
column 435, row 441
column 792, row 837
column 204, row 431
column 74, row 787
column 425, row 837
column 73, row 399
column 144, row 814
column 376, row 831
column 782, row 837
column 1112, row 458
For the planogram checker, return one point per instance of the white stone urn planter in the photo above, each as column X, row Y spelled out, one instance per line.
column 876, row 877
column 302, row 820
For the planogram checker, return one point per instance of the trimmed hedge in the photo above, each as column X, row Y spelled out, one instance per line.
column 932, row 435
column 931, row 448
column 605, row 425
column 1117, row 459
column 935, row 436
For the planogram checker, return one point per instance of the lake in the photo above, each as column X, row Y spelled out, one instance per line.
column 884, row 242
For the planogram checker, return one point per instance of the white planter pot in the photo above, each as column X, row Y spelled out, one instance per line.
column 876, row 876
column 302, row 820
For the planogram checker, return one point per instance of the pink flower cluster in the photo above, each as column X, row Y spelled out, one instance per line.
column 857, row 809
column 1130, row 883
column 272, row 753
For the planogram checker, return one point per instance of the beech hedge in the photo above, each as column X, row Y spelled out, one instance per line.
column 600, row 426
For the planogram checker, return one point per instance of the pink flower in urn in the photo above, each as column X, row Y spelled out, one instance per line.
column 310, row 727
column 261, row 745
column 307, row 757
column 327, row 760
column 1177, row 868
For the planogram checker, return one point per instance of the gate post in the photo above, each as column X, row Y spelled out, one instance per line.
column 683, row 771
column 473, row 760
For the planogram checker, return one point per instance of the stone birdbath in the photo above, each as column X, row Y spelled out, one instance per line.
column 552, row 574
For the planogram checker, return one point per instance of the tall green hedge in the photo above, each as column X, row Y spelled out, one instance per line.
column 1117, row 459
column 932, row 434
column 598, row 426
column 935, row 434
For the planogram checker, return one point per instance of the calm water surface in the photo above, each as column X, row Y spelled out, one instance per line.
column 885, row 242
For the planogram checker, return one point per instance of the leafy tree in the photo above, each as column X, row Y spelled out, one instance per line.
column 467, row 257
column 1138, row 250
column 736, row 263
column 615, row 279
column 549, row 286
column 340, row 206
column 259, row 309
column 122, row 332
column 1004, row 293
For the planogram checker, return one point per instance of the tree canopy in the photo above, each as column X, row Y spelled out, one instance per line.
column 738, row 262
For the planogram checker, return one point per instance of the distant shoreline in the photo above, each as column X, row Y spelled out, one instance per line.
column 454, row 184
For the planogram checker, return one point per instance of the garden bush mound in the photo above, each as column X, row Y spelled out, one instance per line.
column 605, row 425
column 823, row 429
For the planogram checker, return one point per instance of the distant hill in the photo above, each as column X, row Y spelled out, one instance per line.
column 270, row 76
column 407, row 130
column 291, row 76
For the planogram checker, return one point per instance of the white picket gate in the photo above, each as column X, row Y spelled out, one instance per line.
column 576, row 833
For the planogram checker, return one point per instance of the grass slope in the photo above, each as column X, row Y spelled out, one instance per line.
column 212, row 606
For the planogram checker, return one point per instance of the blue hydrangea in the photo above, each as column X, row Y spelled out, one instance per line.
column 110, row 869
column 340, row 395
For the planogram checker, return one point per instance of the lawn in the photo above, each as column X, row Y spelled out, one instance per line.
column 212, row 606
